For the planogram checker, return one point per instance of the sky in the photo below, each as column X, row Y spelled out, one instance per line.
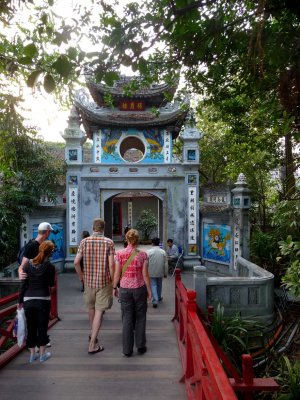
column 46, row 114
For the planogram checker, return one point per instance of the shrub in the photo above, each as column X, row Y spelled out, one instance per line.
column 146, row 224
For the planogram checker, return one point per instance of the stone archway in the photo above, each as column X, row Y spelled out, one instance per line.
column 124, row 209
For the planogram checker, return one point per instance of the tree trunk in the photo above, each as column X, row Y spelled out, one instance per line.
column 290, row 181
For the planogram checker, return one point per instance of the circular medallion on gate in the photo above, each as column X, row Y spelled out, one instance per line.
column 132, row 149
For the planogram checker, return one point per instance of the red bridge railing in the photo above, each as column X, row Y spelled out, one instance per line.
column 8, row 307
column 203, row 359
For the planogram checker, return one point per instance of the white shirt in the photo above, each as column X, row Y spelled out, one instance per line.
column 158, row 262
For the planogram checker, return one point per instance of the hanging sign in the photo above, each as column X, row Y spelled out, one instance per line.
column 73, row 215
column 132, row 105
column 192, row 213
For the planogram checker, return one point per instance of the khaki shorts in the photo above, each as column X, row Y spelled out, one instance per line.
column 99, row 299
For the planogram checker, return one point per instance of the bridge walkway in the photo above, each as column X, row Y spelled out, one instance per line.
column 73, row 374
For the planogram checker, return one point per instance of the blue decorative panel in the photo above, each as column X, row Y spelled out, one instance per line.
column 109, row 143
column 217, row 242
column 152, row 139
column 57, row 237
column 155, row 143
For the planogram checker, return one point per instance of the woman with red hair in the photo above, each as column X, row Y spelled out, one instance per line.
column 132, row 272
column 35, row 297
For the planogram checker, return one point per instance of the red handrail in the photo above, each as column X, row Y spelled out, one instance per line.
column 204, row 375
column 7, row 333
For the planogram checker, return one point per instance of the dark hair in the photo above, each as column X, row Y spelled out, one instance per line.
column 85, row 234
column 170, row 241
column 155, row 241
column 45, row 251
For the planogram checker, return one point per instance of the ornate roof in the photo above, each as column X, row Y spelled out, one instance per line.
column 154, row 94
column 94, row 117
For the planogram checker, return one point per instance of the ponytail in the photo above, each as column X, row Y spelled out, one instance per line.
column 45, row 251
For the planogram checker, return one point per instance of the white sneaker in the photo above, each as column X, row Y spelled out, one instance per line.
column 45, row 357
column 33, row 357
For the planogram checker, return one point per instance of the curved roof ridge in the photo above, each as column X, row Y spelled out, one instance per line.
column 91, row 114
column 154, row 92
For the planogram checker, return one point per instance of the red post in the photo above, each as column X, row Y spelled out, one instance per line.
column 191, row 306
column 247, row 368
column 191, row 300
column 177, row 279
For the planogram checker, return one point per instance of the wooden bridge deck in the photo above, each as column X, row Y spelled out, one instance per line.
column 73, row 374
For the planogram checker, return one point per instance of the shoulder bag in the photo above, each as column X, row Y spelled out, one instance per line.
column 130, row 258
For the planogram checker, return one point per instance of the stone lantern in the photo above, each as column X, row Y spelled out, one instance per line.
column 190, row 138
column 241, row 193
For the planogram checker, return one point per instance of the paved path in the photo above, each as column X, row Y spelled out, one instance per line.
column 74, row 374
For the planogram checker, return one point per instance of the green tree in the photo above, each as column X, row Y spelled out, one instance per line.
column 28, row 168
column 224, row 155
column 234, row 53
column 146, row 224
column 40, row 45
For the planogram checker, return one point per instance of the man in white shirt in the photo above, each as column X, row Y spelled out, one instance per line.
column 158, row 269
column 172, row 253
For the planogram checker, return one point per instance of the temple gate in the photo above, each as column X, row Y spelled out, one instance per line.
column 131, row 165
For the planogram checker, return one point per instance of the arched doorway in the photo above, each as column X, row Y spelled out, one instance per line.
column 124, row 209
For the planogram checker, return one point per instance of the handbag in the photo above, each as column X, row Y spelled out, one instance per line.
column 130, row 258
column 22, row 326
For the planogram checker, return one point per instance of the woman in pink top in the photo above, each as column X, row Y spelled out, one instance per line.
column 133, row 293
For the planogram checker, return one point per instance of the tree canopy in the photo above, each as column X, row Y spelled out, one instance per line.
column 28, row 169
column 241, row 56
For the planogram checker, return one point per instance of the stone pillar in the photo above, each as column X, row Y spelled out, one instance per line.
column 241, row 224
column 190, row 138
column 200, row 284
column 74, row 138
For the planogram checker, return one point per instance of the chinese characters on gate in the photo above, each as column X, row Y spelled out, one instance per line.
column 236, row 244
column 216, row 199
column 97, row 147
column 192, row 208
column 132, row 105
column 129, row 213
column 167, row 147
column 73, row 215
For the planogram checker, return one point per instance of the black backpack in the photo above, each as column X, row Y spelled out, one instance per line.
column 21, row 253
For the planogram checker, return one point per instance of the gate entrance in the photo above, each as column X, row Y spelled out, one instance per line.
column 131, row 165
column 125, row 209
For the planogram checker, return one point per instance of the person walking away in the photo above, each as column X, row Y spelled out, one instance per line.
column 127, row 227
column 172, row 253
column 35, row 297
column 132, row 273
column 84, row 235
column 158, row 269
column 32, row 247
column 32, row 250
column 97, row 252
